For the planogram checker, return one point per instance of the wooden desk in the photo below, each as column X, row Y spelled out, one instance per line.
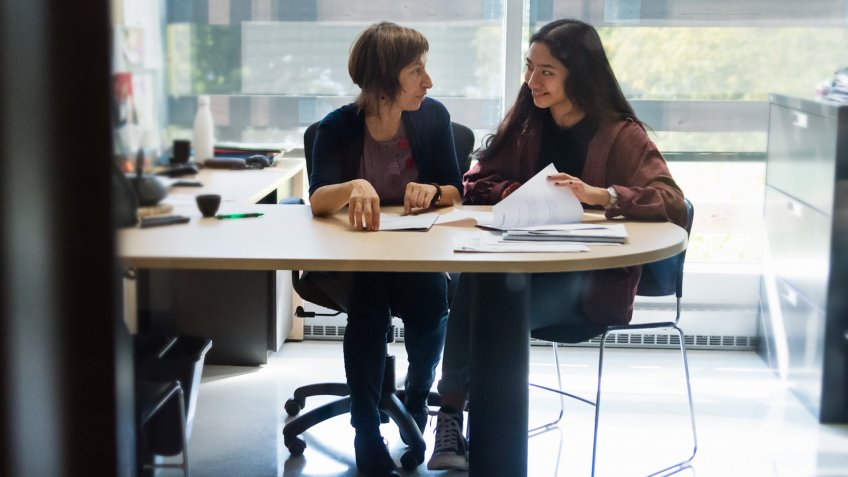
column 287, row 177
column 245, row 313
column 500, row 343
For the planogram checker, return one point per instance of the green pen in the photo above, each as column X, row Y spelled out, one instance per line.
column 239, row 216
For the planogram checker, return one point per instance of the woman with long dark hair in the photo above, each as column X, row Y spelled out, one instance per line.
column 570, row 112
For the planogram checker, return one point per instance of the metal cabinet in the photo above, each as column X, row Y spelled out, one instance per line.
column 804, row 289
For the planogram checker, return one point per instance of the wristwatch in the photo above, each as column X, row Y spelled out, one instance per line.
column 437, row 196
column 613, row 197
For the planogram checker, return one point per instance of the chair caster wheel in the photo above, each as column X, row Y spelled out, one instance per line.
column 296, row 446
column 410, row 459
column 293, row 407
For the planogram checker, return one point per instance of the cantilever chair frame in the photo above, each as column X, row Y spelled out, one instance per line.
column 649, row 290
column 156, row 397
column 391, row 405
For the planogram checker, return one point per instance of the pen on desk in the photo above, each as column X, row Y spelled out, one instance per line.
column 239, row 216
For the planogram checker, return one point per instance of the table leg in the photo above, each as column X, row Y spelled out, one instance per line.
column 500, row 355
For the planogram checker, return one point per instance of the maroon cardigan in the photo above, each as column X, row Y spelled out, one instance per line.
column 620, row 155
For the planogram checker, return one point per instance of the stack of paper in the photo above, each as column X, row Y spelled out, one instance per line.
column 490, row 243
column 587, row 233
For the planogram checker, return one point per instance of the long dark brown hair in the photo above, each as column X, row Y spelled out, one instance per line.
column 377, row 57
column 590, row 84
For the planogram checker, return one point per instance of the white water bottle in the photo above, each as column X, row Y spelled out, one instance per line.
column 204, row 131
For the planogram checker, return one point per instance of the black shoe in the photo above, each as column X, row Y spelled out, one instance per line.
column 372, row 457
column 419, row 412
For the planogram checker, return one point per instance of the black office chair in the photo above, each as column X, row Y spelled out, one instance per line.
column 661, row 278
column 391, row 402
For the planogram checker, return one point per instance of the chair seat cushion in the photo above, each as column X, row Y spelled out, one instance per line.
column 328, row 289
column 568, row 333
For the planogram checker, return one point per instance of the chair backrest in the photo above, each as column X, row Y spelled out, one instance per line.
column 665, row 277
column 463, row 141
column 308, row 144
column 318, row 287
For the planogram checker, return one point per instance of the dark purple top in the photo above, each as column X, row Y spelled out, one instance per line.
column 388, row 166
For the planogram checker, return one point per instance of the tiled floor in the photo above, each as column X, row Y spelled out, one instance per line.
column 749, row 423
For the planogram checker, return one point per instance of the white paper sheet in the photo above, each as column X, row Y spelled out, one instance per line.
column 467, row 217
column 390, row 221
column 538, row 202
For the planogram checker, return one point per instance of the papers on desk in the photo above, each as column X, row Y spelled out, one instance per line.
column 492, row 243
column 467, row 217
column 536, row 202
column 585, row 233
column 389, row 221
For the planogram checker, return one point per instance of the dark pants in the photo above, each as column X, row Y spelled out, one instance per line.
column 555, row 299
column 420, row 300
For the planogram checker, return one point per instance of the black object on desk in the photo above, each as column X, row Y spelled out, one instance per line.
column 187, row 183
column 179, row 170
column 256, row 161
column 163, row 220
column 181, row 151
column 148, row 189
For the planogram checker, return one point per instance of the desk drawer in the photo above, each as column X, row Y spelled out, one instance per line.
column 802, row 155
column 799, row 244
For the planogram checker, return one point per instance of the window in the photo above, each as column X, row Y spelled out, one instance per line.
column 274, row 67
column 697, row 72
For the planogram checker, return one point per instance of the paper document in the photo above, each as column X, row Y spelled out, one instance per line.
column 591, row 233
column 389, row 221
column 469, row 217
column 538, row 202
column 491, row 243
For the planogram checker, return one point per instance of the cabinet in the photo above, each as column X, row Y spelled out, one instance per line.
column 804, row 288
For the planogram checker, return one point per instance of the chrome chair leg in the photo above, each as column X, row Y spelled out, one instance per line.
column 562, row 394
column 184, row 464
column 671, row 469
column 558, row 390
column 598, row 399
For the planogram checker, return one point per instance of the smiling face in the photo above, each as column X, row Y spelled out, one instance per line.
column 414, row 83
column 546, row 77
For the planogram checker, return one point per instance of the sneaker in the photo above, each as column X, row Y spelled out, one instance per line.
column 451, row 449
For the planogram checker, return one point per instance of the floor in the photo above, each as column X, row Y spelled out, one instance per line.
column 748, row 422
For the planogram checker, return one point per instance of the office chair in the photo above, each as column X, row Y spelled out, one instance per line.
column 661, row 278
column 392, row 398
column 159, row 405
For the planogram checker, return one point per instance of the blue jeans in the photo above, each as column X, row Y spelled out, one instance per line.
column 420, row 300
column 555, row 299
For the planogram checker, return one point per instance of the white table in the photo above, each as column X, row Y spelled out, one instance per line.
column 500, row 332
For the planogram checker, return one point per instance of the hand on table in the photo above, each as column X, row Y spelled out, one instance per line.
column 364, row 206
column 418, row 196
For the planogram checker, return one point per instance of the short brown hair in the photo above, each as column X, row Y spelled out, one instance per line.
column 376, row 58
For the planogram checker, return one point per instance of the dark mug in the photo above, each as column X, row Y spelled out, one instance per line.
column 181, row 151
column 208, row 204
